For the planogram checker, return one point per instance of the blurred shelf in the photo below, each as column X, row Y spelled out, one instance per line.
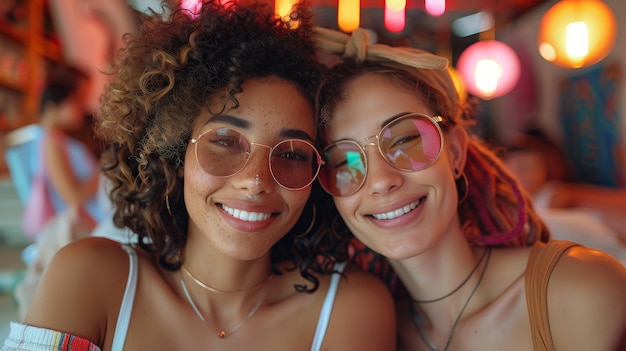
column 28, row 48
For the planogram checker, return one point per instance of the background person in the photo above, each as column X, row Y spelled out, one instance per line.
column 573, row 211
column 69, row 171
column 69, row 166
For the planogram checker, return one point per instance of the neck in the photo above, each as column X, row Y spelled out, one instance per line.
column 222, row 273
column 220, row 291
column 219, row 316
column 440, row 277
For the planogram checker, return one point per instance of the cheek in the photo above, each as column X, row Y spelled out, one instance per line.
column 197, row 183
column 297, row 201
column 345, row 206
column 298, row 198
column 197, row 189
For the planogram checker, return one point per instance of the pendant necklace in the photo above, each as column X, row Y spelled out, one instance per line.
column 419, row 322
column 222, row 333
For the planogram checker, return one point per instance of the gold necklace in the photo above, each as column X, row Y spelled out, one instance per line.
column 223, row 292
column 419, row 322
column 221, row 333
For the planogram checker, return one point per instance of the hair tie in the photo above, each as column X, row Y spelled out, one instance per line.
column 356, row 46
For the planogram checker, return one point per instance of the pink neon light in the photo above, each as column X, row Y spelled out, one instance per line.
column 435, row 7
column 394, row 20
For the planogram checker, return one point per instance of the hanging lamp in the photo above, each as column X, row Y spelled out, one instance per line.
column 348, row 15
column 575, row 34
column 489, row 68
column 283, row 8
column 395, row 15
column 435, row 7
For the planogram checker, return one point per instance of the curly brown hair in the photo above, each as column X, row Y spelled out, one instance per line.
column 497, row 211
column 167, row 72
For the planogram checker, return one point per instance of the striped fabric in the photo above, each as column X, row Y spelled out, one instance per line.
column 28, row 338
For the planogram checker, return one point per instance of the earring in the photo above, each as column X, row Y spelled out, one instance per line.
column 311, row 225
column 462, row 186
column 167, row 205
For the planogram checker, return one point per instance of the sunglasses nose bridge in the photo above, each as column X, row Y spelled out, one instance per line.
column 262, row 145
column 248, row 153
column 365, row 142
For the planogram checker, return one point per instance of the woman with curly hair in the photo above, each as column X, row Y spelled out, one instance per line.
column 209, row 127
column 412, row 183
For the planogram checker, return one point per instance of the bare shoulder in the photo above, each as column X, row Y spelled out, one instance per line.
column 363, row 315
column 81, row 288
column 590, row 272
column 587, row 300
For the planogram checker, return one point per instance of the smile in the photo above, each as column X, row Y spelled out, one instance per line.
column 399, row 212
column 245, row 215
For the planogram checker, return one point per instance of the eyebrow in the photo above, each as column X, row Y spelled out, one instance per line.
column 288, row 133
column 388, row 120
column 232, row 120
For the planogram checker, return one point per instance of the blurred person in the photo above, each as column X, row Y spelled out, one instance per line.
column 70, row 174
column 585, row 213
column 70, row 167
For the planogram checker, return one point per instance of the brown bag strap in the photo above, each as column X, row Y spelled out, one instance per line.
column 543, row 258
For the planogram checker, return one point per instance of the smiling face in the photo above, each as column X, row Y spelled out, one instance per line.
column 396, row 213
column 243, row 215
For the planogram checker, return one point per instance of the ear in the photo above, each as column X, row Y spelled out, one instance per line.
column 180, row 172
column 457, row 140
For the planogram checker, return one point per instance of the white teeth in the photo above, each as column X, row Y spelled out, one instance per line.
column 397, row 213
column 245, row 215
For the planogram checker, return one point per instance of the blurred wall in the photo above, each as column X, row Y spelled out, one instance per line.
column 547, row 77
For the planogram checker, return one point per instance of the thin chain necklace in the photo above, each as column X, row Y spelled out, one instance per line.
column 221, row 333
column 419, row 322
column 458, row 287
column 223, row 292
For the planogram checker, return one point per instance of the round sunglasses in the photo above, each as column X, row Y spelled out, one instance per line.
column 411, row 142
column 223, row 152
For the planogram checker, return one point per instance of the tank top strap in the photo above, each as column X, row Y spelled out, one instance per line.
column 126, row 308
column 327, row 308
column 543, row 258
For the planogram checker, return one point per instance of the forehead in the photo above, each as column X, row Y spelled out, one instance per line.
column 266, row 104
column 370, row 100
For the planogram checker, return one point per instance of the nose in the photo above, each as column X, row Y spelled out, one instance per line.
column 256, row 176
column 382, row 178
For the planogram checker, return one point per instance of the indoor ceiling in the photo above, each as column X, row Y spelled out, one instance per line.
column 423, row 30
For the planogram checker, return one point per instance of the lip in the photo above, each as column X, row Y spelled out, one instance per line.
column 408, row 210
column 247, row 217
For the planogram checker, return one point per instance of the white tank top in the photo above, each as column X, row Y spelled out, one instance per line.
column 123, row 319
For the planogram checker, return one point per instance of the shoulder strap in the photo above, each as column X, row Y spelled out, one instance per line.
column 327, row 308
column 126, row 308
column 543, row 258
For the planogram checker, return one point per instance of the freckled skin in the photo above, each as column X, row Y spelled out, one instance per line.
column 268, row 105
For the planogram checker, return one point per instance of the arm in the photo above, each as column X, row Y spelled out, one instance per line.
column 607, row 203
column 590, row 196
column 70, row 300
column 363, row 317
column 587, row 301
column 59, row 170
